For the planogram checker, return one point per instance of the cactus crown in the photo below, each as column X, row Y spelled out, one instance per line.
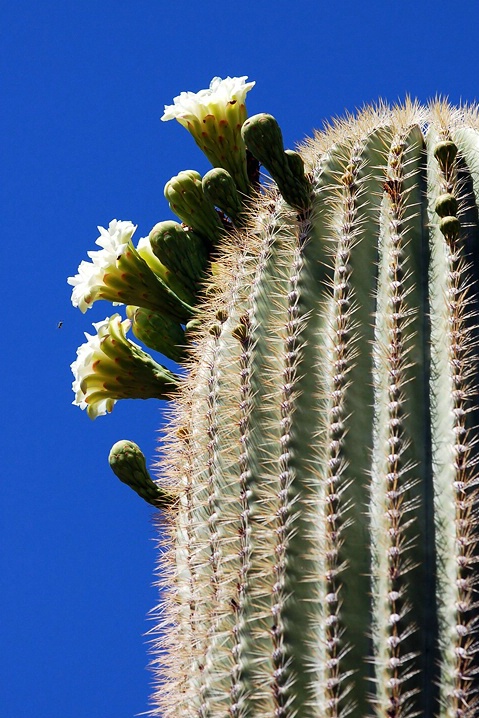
column 321, row 459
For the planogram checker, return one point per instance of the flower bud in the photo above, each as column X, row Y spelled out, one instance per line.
column 219, row 187
column 180, row 250
column 128, row 463
column 185, row 195
column 158, row 332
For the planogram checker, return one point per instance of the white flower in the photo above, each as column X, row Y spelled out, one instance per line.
column 119, row 273
column 215, row 117
column 191, row 106
column 89, row 355
column 109, row 367
column 88, row 284
column 89, row 277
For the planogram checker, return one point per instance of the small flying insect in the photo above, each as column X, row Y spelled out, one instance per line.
column 60, row 324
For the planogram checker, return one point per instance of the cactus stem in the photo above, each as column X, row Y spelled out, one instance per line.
column 455, row 479
column 187, row 614
column 281, row 659
column 326, row 542
column 340, row 332
column 254, row 636
column 348, row 339
column 212, row 515
column 397, row 524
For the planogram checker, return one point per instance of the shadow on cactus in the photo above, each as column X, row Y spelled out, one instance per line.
column 320, row 480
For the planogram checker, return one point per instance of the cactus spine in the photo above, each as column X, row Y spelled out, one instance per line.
column 325, row 446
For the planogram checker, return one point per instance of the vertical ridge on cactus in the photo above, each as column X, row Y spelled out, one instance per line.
column 322, row 559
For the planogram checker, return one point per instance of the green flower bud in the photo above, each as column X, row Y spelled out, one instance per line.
column 158, row 332
column 128, row 463
column 264, row 139
column 181, row 251
column 219, row 187
column 187, row 199
column 295, row 162
column 175, row 282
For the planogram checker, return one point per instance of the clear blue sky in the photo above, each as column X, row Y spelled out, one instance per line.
column 83, row 88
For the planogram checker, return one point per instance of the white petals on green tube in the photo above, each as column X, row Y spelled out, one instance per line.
column 88, row 284
column 109, row 367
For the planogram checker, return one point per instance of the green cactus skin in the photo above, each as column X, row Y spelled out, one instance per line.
column 324, row 448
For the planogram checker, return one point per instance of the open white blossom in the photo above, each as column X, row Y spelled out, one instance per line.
column 88, row 284
column 89, row 354
column 215, row 117
column 109, row 367
column 189, row 107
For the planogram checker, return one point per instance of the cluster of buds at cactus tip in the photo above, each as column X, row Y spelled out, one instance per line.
column 320, row 481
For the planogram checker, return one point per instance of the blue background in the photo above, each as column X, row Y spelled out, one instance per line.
column 83, row 88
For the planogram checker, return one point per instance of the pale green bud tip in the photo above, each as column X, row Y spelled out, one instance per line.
column 167, row 229
column 125, row 458
column 128, row 463
column 296, row 162
column 165, row 238
column 262, row 135
column 185, row 182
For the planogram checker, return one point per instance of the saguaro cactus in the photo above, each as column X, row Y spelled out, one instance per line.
column 321, row 462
